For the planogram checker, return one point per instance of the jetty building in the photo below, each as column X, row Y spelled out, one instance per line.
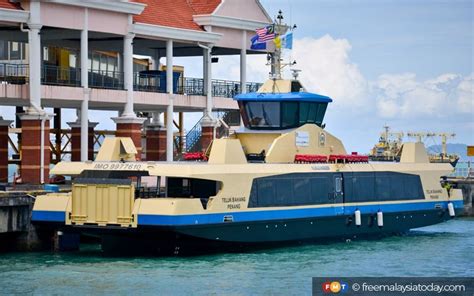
column 83, row 55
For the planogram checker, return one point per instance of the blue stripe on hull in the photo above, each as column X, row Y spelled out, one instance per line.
column 48, row 216
column 264, row 215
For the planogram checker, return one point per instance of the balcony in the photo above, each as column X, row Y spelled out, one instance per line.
column 145, row 81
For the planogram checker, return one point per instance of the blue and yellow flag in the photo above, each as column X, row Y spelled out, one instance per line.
column 287, row 41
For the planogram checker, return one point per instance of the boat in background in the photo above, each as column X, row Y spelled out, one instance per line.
column 390, row 146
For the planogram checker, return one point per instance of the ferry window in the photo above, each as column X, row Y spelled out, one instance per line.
column 320, row 114
column 397, row 186
column 302, row 191
column 312, row 112
column 412, row 187
column 194, row 188
column 289, row 114
column 307, row 112
column 338, row 182
column 321, row 190
column 296, row 86
column 284, row 192
column 363, row 187
column 263, row 114
column 265, row 193
column 383, row 186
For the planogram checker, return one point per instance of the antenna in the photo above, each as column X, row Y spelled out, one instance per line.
column 295, row 73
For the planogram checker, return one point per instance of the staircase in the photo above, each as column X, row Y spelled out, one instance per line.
column 226, row 119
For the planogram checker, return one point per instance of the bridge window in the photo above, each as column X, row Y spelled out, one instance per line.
column 263, row 114
column 289, row 114
column 284, row 114
column 312, row 112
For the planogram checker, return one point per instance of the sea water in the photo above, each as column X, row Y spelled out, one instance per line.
column 441, row 250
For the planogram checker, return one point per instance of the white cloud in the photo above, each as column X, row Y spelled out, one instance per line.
column 327, row 69
column 404, row 96
column 465, row 96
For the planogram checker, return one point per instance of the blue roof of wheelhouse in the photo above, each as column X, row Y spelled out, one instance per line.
column 280, row 97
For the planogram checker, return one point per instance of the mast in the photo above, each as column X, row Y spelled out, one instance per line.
column 280, row 29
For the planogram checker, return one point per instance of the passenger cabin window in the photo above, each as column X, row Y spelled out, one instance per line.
column 192, row 188
column 324, row 188
column 381, row 186
column 292, row 190
column 281, row 115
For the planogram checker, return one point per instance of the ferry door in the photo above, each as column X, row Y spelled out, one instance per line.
column 338, row 194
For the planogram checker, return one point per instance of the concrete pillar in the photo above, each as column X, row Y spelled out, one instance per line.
column 243, row 63
column 34, row 57
column 76, row 140
column 169, row 109
column 205, row 57
column 128, row 73
column 209, row 103
column 4, row 124
column 155, row 65
column 84, row 128
column 34, row 162
column 208, row 123
column 128, row 124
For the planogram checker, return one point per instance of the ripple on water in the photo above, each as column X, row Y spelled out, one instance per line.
column 440, row 250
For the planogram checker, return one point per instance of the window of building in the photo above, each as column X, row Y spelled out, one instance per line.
column 15, row 52
column 3, row 50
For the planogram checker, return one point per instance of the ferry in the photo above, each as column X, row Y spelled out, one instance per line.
column 281, row 179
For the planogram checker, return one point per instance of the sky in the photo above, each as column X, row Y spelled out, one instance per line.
column 406, row 64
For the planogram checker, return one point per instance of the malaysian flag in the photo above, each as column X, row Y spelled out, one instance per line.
column 266, row 34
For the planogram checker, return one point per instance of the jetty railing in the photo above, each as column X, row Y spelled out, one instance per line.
column 149, row 82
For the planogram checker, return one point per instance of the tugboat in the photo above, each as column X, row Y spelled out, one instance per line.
column 281, row 179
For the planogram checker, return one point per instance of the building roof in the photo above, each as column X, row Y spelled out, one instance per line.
column 175, row 13
column 204, row 7
column 9, row 5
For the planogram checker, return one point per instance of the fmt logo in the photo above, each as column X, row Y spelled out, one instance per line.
column 335, row 287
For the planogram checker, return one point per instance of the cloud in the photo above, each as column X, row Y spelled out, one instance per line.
column 327, row 69
column 404, row 96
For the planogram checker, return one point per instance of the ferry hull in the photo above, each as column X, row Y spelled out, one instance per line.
column 239, row 236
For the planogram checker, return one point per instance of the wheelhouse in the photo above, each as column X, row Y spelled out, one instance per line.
column 274, row 111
